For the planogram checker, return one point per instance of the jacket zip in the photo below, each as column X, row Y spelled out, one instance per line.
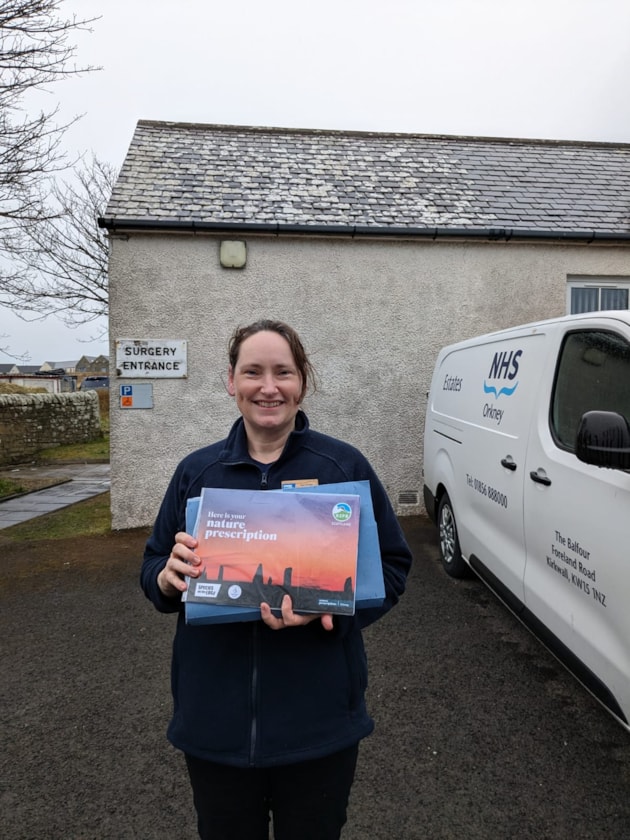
column 254, row 683
column 254, row 689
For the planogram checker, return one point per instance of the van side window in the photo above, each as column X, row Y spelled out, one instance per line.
column 593, row 374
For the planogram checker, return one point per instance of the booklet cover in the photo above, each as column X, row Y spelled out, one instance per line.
column 258, row 546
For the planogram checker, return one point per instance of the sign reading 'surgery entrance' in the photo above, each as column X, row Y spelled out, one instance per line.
column 153, row 357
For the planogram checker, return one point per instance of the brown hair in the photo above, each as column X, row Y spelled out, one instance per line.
column 302, row 362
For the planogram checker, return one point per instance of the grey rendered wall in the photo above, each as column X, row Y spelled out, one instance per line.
column 373, row 315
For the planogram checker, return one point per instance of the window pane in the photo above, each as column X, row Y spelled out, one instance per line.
column 614, row 298
column 592, row 369
column 584, row 300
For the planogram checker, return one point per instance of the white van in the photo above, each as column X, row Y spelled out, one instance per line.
column 527, row 475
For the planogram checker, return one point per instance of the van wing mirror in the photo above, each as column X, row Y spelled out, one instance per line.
column 603, row 439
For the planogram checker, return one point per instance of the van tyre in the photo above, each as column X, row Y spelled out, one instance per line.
column 452, row 560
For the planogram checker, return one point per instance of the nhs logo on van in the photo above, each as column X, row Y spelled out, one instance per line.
column 503, row 370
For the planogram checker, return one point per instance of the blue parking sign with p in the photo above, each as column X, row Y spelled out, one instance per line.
column 139, row 395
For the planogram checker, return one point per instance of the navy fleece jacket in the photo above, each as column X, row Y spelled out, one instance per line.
column 247, row 695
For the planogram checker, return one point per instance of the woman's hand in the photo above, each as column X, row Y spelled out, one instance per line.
column 291, row 619
column 182, row 561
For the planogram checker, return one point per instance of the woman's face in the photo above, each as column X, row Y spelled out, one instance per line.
column 266, row 384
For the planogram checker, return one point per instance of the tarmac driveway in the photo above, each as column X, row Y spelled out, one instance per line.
column 480, row 734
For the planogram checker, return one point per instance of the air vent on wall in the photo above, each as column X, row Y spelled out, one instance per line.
column 408, row 497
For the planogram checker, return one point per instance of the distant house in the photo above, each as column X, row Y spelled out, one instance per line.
column 100, row 365
column 84, row 364
column 68, row 366
column 9, row 368
column 92, row 364
column 378, row 248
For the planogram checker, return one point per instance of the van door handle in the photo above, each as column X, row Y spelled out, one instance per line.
column 508, row 463
column 540, row 477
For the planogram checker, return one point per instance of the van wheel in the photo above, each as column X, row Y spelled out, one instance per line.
column 452, row 560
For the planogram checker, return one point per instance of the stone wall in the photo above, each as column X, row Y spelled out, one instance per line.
column 29, row 423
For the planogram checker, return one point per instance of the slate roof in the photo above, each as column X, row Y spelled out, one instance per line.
column 189, row 176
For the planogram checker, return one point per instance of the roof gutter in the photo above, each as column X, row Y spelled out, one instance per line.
column 114, row 225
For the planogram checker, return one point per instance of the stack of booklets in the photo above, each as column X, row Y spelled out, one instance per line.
column 318, row 544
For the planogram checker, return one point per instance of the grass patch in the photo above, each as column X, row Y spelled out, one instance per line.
column 88, row 518
column 10, row 488
column 93, row 450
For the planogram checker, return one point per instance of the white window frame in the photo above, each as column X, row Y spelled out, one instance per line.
column 595, row 282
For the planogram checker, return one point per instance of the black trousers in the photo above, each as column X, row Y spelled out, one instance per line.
column 308, row 800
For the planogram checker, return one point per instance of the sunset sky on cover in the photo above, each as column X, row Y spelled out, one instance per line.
column 321, row 551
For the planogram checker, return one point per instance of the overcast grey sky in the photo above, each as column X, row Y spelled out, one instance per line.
column 552, row 69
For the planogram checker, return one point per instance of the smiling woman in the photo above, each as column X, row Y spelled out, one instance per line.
column 290, row 749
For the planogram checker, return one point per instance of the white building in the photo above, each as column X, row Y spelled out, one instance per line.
column 378, row 248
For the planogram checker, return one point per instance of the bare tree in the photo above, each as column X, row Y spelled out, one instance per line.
column 62, row 260
column 34, row 54
column 6, row 351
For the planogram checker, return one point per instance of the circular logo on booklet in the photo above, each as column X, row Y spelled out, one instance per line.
column 235, row 591
column 342, row 512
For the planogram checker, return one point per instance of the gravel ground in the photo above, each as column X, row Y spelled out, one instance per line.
column 480, row 733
